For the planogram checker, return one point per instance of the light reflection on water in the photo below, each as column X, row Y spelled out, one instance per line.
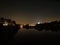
column 34, row 30
column 32, row 34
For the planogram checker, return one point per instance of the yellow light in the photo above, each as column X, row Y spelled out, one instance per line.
column 5, row 23
column 31, row 24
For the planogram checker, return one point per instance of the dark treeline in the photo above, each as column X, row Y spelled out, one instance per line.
column 28, row 27
column 53, row 26
column 8, row 28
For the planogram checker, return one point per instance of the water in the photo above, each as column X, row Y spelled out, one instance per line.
column 33, row 36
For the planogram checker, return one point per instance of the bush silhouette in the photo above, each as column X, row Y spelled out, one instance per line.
column 53, row 26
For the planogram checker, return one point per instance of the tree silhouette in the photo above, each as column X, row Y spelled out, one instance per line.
column 27, row 26
column 53, row 26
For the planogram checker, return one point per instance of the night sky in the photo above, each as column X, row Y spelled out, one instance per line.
column 24, row 12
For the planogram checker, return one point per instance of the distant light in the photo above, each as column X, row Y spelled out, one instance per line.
column 38, row 22
column 21, row 26
column 31, row 24
column 5, row 24
column 13, row 24
column 24, row 24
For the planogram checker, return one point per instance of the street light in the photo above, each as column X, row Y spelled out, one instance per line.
column 38, row 22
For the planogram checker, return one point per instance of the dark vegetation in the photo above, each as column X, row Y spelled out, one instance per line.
column 8, row 29
column 26, row 26
column 52, row 26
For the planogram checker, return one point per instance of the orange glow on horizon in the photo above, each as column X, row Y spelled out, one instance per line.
column 31, row 24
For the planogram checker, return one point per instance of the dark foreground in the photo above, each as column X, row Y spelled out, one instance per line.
column 33, row 37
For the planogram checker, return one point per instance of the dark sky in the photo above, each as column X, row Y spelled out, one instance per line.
column 30, row 11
